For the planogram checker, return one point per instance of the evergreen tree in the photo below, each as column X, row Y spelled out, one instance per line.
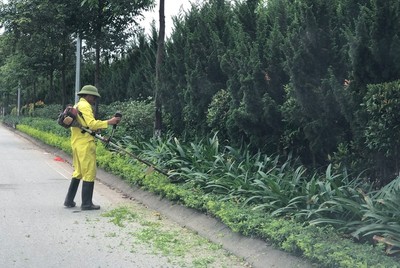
column 254, row 115
column 204, row 38
column 313, row 63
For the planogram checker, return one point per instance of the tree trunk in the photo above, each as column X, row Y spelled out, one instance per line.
column 97, row 71
column 51, row 86
column 63, row 79
column 34, row 88
column 159, row 62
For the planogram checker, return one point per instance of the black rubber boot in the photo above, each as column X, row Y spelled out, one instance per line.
column 87, row 195
column 73, row 187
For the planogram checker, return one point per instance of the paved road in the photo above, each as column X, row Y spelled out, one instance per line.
column 37, row 231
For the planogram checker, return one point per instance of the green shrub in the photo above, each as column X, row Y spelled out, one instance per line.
column 46, row 125
column 49, row 111
column 11, row 120
column 382, row 132
column 57, row 141
column 137, row 118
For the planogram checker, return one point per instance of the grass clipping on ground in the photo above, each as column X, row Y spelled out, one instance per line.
column 181, row 246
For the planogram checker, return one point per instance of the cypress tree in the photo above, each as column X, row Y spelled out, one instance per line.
column 313, row 63
column 202, row 38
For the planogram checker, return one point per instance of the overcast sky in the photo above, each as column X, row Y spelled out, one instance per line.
column 172, row 8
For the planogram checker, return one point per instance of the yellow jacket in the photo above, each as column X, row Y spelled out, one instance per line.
column 86, row 120
column 83, row 144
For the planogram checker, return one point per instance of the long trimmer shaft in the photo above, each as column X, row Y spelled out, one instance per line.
column 120, row 149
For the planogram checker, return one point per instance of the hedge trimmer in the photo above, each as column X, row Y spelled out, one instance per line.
column 108, row 142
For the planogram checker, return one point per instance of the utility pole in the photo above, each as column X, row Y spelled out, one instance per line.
column 78, row 67
column 19, row 98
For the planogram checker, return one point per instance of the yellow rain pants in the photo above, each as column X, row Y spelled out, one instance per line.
column 83, row 144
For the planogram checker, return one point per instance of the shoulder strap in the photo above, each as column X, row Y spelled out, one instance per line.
column 81, row 115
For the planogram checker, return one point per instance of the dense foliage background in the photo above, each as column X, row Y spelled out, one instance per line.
column 284, row 108
column 317, row 79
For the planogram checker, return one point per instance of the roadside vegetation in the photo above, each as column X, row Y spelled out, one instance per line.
column 333, row 219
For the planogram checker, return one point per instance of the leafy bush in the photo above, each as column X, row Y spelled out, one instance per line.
column 52, row 139
column 11, row 120
column 49, row 111
column 28, row 109
column 382, row 103
column 382, row 132
column 46, row 125
column 137, row 118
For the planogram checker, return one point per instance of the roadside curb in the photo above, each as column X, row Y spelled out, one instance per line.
column 258, row 253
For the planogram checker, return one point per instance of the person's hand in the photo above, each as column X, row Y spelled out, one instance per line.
column 114, row 121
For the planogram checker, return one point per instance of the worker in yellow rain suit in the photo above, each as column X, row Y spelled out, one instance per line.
column 84, row 148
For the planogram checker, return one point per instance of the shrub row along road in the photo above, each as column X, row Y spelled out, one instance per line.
column 37, row 231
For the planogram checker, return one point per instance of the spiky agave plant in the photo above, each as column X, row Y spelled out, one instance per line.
column 382, row 216
column 339, row 197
